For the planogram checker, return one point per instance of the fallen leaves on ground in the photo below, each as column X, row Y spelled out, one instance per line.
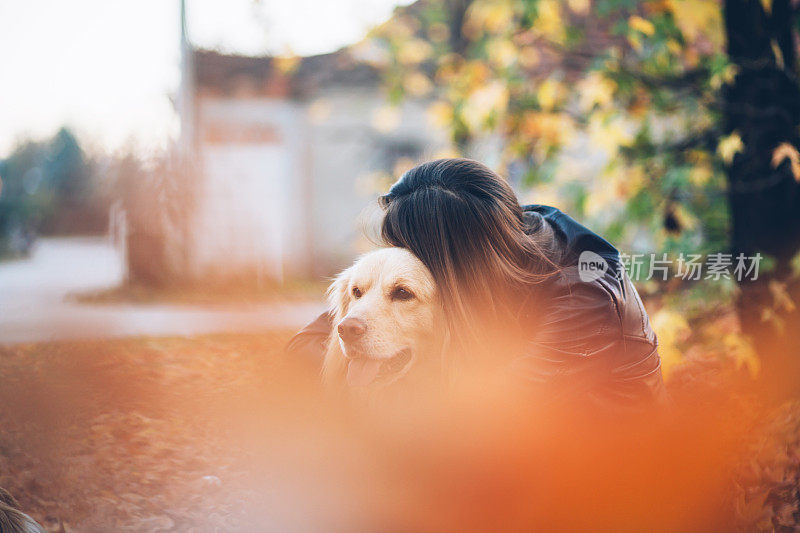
column 121, row 435
column 196, row 434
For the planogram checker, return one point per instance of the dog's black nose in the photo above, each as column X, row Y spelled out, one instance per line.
column 351, row 329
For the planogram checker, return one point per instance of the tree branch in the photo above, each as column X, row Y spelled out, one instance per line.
column 689, row 79
column 705, row 140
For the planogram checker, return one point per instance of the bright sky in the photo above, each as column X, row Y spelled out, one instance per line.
column 107, row 68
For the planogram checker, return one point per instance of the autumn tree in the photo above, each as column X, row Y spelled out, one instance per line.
column 668, row 125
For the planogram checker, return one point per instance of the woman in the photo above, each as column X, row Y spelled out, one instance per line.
column 531, row 271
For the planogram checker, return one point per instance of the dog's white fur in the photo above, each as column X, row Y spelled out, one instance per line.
column 368, row 291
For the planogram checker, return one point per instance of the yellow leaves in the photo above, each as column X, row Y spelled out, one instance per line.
column 471, row 76
column 685, row 218
column 398, row 28
column 726, row 76
column 386, row 118
column 579, row 7
column 595, row 89
column 782, row 303
column 672, row 329
column 776, row 51
column 287, row 64
column 551, row 129
column 499, row 16
column 780, row 296
column 729, row 343
column 440, row 114
column 481, row 100
column 496, row 17
column 698, row 19
column 767, row 6
column 550, row 93
column 616, row 184
column 641, row 25
column 414, row 51
column 493, row 16
column 549, row 21
column 700, row 175
column 786, row 151
column 600, row 200
column 741, row 350
column 674, row 47
column 633, row 181
column 484, row 102
column 609, row 132
column 449, row 68
column 501, row 52
column 417, row 84
column 730, row 146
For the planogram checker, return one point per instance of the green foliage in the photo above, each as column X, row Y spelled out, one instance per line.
column 45, row 186
column 633, row 84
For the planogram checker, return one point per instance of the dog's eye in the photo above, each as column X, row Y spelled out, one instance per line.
column 401, row 293
column 357, row 292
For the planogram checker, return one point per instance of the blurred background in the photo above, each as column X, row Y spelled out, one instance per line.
column 174, row 168
column 228, row 152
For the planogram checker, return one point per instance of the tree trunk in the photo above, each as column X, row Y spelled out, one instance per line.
column 762, row 105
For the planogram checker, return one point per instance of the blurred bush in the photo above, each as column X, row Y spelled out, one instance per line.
column 50, row 188
column 156, row 199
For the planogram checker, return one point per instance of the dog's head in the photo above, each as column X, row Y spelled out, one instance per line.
column 387, row 316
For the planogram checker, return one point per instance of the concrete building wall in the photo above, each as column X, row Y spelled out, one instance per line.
column 349, row 146
column 249, row 187
column 282, row 182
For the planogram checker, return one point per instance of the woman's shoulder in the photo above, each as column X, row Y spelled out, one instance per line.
column 585, row 315
column 570, row 238
column 572, row 300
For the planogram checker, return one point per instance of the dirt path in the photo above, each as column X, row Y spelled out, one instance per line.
column 33, row 306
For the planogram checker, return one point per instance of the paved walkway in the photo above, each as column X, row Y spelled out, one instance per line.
column 33, row 305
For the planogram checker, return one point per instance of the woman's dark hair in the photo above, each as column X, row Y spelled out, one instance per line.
column 464, row 222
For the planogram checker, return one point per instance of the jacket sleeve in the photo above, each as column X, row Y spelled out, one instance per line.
column 584, row 349
column 574, row 341
column 309, row 343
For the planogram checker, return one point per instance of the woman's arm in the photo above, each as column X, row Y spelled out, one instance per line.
column 593, row 344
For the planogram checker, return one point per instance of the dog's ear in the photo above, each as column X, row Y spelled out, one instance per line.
column 337, row 294
column 334, row 365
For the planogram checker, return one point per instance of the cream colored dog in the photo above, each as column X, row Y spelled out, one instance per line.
column 387, row 319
